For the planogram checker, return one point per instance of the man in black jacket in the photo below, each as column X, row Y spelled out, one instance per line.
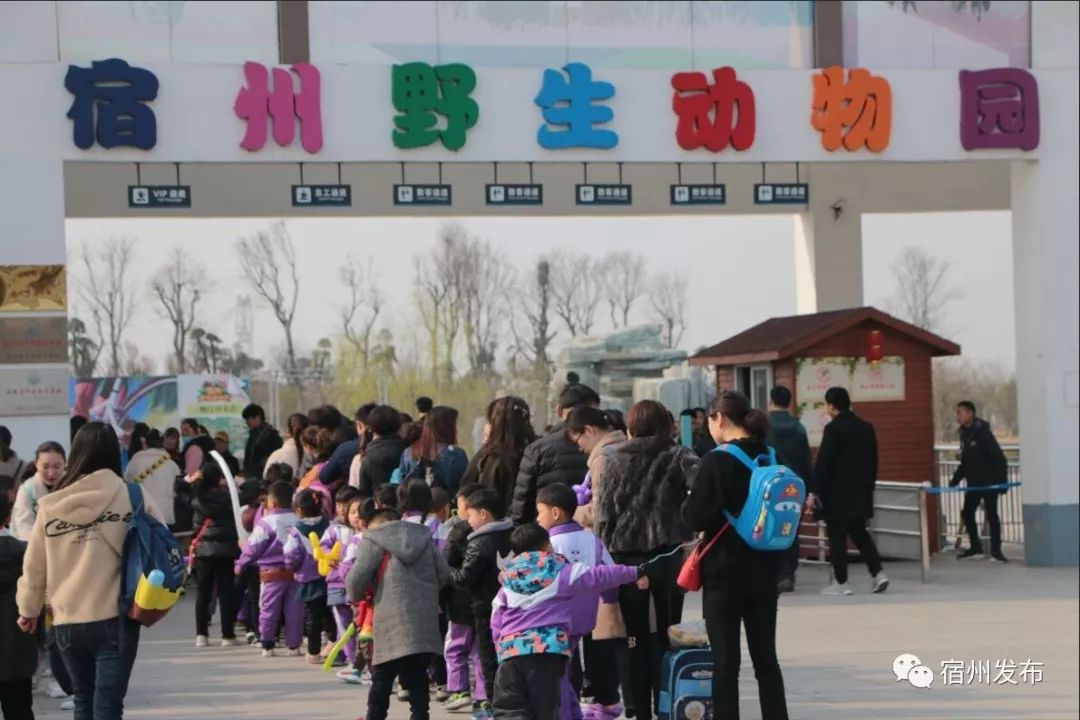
column 487, row 551
column 383, row 454
column 982, row 463
column 788, row 436
column 552, row 458
column 262, row 440
column 844, row 479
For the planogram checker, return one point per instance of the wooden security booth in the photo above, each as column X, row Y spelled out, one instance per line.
column 884, row 362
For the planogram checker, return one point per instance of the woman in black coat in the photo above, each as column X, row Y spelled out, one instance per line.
column 640, row 517
column 216, row 546
column 739, row 582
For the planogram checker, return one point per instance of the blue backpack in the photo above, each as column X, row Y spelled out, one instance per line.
column 148, row 546
column 770, row 518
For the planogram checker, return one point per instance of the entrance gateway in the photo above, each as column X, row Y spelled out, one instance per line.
column 291, row 136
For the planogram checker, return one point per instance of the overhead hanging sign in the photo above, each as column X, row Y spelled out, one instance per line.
column 422, row 195
column 321, row 196
column 603, row 194
column 159, row 196
column 698, row 195
column 781, row 193
column 514, row 194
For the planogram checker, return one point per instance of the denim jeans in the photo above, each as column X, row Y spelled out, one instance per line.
column 99, row 657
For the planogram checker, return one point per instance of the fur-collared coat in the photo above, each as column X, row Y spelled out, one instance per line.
column 643, row 496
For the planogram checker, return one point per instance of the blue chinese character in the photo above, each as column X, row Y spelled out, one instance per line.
column 571, row 104
column 119, row 92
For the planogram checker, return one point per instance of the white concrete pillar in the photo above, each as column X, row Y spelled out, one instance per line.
column 828, row 243
column 1046, row 271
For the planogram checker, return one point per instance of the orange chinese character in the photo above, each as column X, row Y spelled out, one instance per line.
column 855, row 113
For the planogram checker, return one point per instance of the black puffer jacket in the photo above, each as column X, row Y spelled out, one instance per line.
column 381, row 458
column 552, row 458
column 643, row 496
column 454, row 598
column 219, row 539
column 18, row 650
column 479, row 571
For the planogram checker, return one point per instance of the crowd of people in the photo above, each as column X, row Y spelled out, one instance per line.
column 535, row 579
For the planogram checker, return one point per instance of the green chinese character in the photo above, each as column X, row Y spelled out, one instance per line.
column 420, row 92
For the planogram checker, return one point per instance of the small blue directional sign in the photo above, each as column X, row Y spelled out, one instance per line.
column 781, row 193
column 422, row 195
column 321, row 195
column 159, row 196
column 514, row 194
column 603, row 194
column 698, row 195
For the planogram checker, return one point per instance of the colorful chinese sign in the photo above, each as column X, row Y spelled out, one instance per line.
column 568, row 103
column 33, row 391
column 30, row 288
column 421, row 92
column 853, row 113
column 713, row 116
column 999, row 109
column 257, row 104
column 110, row 105
column 33, row 340
column 867, row 382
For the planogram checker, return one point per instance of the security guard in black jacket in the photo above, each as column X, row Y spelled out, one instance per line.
column 982, row 463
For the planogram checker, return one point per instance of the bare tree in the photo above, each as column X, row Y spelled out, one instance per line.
column 358, row 316
column 268, row 260
column 923, row 289
column 84, row 351
column 622, row 282
column 106, row 290
column 536, row 306
column 179, row 285
column 439, row 287
column 575, row 292
column 485, row 295
column 135, row 362
column 668, row 299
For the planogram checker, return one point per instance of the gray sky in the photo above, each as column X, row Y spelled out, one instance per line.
column 747, row 258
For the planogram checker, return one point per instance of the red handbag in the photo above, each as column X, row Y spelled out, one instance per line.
column 690, row 576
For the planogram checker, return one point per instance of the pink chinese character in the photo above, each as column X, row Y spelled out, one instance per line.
column 999, row 108
column 257, row 104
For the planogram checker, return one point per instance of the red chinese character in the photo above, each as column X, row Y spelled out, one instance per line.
column 712, row 116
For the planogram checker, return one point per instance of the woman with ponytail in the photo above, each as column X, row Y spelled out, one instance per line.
column 739, row 582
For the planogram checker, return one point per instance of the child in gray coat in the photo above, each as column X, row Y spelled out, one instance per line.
column 399, row 560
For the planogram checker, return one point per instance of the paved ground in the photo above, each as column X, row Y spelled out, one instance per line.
column 836, row 653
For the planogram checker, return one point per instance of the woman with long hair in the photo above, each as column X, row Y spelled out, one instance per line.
column 739, row 582
column 49, row 463
column 291, row 451
column 495, row 465
column 10, row 464
column 75, row 558
column 216, row 547
column 640, row 516
column 436, row 450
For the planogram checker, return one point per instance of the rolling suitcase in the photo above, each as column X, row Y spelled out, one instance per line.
column 686, row 685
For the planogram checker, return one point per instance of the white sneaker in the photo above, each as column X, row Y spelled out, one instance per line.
column 881, row 583
column 293, row 652
column 202, row 641
column 68, row 704
column 232, row 642
column 54, row 690
column 836, row 588
column 268, row 652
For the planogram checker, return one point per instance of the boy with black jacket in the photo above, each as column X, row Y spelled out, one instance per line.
column 488, row 549
column 18, row 649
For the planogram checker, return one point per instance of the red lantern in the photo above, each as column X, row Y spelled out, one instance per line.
column 874, row 353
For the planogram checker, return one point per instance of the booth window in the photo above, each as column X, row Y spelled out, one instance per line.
column 754, row 381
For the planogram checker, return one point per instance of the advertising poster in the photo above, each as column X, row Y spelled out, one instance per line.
column 33, row 391
column 865, row 381
column 123, row 401
column 216, row 401
column 33, row 340
column 29, row 288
